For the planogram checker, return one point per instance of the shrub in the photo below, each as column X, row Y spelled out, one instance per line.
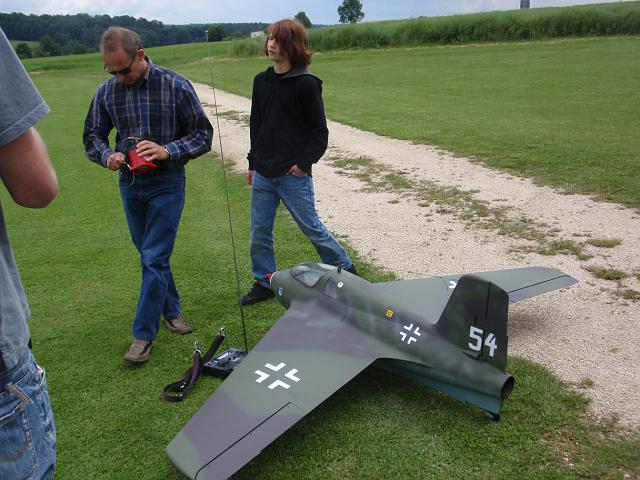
column 247, row 48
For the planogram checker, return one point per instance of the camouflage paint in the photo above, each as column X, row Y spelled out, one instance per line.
column 449, row 333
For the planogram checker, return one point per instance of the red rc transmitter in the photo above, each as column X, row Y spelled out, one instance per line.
column 138, row 164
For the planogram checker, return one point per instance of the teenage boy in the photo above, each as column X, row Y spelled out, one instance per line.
column 288, row 135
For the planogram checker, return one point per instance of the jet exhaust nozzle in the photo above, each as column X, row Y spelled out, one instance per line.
column 507, row 387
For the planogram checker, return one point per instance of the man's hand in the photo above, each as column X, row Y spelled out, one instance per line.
column 151, row 151
column 250, row 177
column 115, row 160
column 297, row 171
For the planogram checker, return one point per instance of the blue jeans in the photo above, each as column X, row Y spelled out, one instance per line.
column 27, row 427
column 298, row 197
column 153, row 205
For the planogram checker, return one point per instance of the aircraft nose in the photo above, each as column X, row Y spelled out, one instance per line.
column 277, row 283
column 270, row 276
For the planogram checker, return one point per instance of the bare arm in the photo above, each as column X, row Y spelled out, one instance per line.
column 27, row 172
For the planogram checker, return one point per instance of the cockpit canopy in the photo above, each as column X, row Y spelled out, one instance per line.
column 309, row 274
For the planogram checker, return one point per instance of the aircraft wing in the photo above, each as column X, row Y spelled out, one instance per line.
column 428, row 296
column 527, row 282
column 309, row 354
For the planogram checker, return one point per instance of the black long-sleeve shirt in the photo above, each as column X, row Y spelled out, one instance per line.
column 288, row 125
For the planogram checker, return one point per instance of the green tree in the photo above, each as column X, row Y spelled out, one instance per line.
column 303, row 19
column 350, row 11
column 75, row 48
column 23, row 50
column 49, row 46
column 216, row 32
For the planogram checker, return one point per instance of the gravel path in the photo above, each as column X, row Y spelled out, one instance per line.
column 587, row 334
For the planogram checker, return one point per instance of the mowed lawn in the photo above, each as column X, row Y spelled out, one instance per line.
column 82, row 278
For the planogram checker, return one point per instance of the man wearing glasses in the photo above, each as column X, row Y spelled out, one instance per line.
column 158, row 118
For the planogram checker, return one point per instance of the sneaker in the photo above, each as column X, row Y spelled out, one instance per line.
column 352, row 269
column 258, row 293
column 138, row 352
column 178, row 325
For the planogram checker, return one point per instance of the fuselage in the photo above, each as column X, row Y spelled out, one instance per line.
column 405, row 341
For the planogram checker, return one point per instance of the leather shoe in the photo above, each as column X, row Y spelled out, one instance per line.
column 138, row 352
column 178, row 325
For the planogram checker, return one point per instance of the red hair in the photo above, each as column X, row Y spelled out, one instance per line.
column 292, row 40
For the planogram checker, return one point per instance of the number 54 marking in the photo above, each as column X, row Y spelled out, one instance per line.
column 476, row 335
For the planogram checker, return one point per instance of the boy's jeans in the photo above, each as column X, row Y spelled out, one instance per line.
column 299, row 198
column 27, row 427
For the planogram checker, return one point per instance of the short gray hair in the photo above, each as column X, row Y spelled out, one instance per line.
column 115, row 38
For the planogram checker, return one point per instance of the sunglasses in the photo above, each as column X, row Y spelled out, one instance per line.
column 124, row 71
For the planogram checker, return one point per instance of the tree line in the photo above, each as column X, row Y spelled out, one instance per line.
column 80, row 33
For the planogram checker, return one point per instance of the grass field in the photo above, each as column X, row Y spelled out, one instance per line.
column 82, row 276
column 562, row 112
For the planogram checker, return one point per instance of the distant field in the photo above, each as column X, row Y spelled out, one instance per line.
column 592, row 20
column 562, row 112
column 32, row 44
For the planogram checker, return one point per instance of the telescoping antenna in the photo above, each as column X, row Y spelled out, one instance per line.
column 223, row 364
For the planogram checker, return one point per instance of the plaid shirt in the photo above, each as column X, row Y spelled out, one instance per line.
column 164, row 108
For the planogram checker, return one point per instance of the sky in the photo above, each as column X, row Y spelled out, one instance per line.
column 323, row 12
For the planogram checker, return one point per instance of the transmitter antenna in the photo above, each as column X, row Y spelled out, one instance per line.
column 223, row 364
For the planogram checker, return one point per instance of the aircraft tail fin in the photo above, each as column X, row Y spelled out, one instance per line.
column 475, row 319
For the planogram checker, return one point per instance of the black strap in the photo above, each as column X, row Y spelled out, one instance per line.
column 176, row 391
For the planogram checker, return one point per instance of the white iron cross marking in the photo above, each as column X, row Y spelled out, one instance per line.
column 291, row 375
column 416, row 332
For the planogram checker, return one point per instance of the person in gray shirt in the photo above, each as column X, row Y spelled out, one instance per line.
column 27, row 428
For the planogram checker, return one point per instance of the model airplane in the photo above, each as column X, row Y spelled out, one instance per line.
column 449, row 333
